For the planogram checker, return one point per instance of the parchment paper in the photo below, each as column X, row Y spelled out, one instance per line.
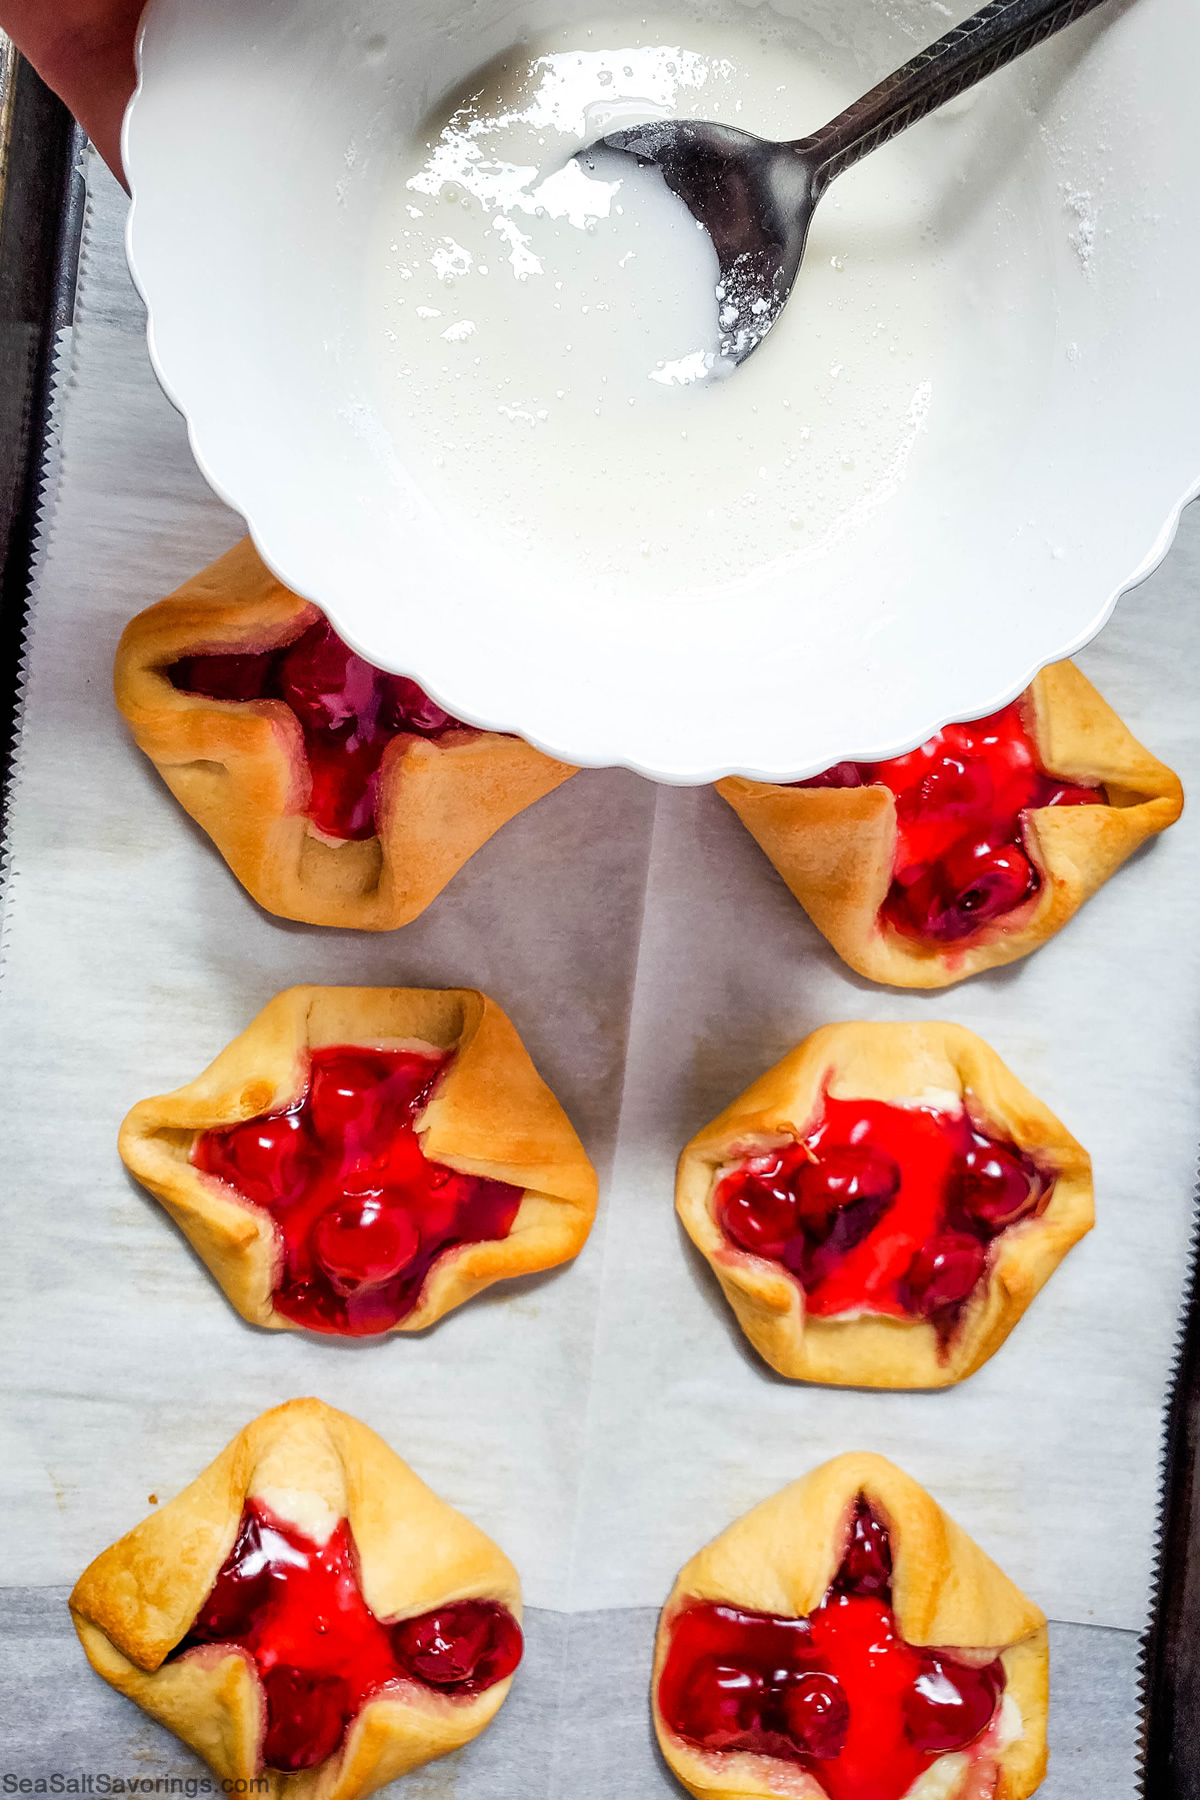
column 602, row 1421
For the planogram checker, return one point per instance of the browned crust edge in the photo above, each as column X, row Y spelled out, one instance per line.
column 137, row 1600
column 239, row 768
column 885, row 1062
column 491, row 1115
column 780, row 1559
column 835, row 847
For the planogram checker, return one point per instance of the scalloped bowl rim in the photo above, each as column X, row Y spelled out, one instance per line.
column 275, row 553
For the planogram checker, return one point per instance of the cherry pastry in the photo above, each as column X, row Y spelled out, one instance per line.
column 307, row 1612
column 362, row 1160
column 976, row 847
column 846, row 1639
column 881, row 1207
column 338, row 794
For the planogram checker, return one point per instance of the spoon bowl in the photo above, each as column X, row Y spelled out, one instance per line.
column 756, row 198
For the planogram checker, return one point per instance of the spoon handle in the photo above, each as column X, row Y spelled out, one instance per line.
column 991, row 38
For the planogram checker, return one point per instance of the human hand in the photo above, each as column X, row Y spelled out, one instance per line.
column 83, row 49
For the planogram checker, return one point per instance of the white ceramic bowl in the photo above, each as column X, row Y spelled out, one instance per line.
column 1068, row 425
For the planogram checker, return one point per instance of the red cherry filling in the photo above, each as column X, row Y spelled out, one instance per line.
column 817, row 1715
column 944, row 1271
column 866, row 1566
column 364, row 1245
column 880, row 1208
column 461, row 1649
column 296, row 1608
column 840, row 1692
column 961, row 858
column 349, row 712
column 991, row 1182
column 360, row 1214
column 950, row 1705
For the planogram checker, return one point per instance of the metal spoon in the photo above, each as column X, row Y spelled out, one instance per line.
column 756, row 198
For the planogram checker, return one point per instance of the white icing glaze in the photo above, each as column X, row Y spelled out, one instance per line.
column 942, row 1780
column 541, row 325
column 943, row 1100
column 309, row 1512
column 1009, row 1726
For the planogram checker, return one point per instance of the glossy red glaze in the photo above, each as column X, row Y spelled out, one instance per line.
column 840, row 1692
column 296, row 1608
column 961, row 857
column 361, row 1213
column 349, row 712
column 889, row 1209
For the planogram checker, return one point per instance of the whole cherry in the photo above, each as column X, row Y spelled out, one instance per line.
column 364, row 1244
column 307, row 1715
column 721, row 1702
column 994, row 1183
column 842, row 1175
column 944, row 1271
column 760, row 1214
column 980, row 883
column 817, row 1714
column 348, row 1103
column 262, row 1158
column 951, row 1704
column 473, row 1643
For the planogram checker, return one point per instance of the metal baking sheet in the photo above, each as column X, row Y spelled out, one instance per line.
column 604, row 1421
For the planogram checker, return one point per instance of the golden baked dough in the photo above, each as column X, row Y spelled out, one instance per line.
column 835, row 847
column 780, row 1559
column 884, row 1062
column 239, row 768
column 138, row 1600
column 491, row 1115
